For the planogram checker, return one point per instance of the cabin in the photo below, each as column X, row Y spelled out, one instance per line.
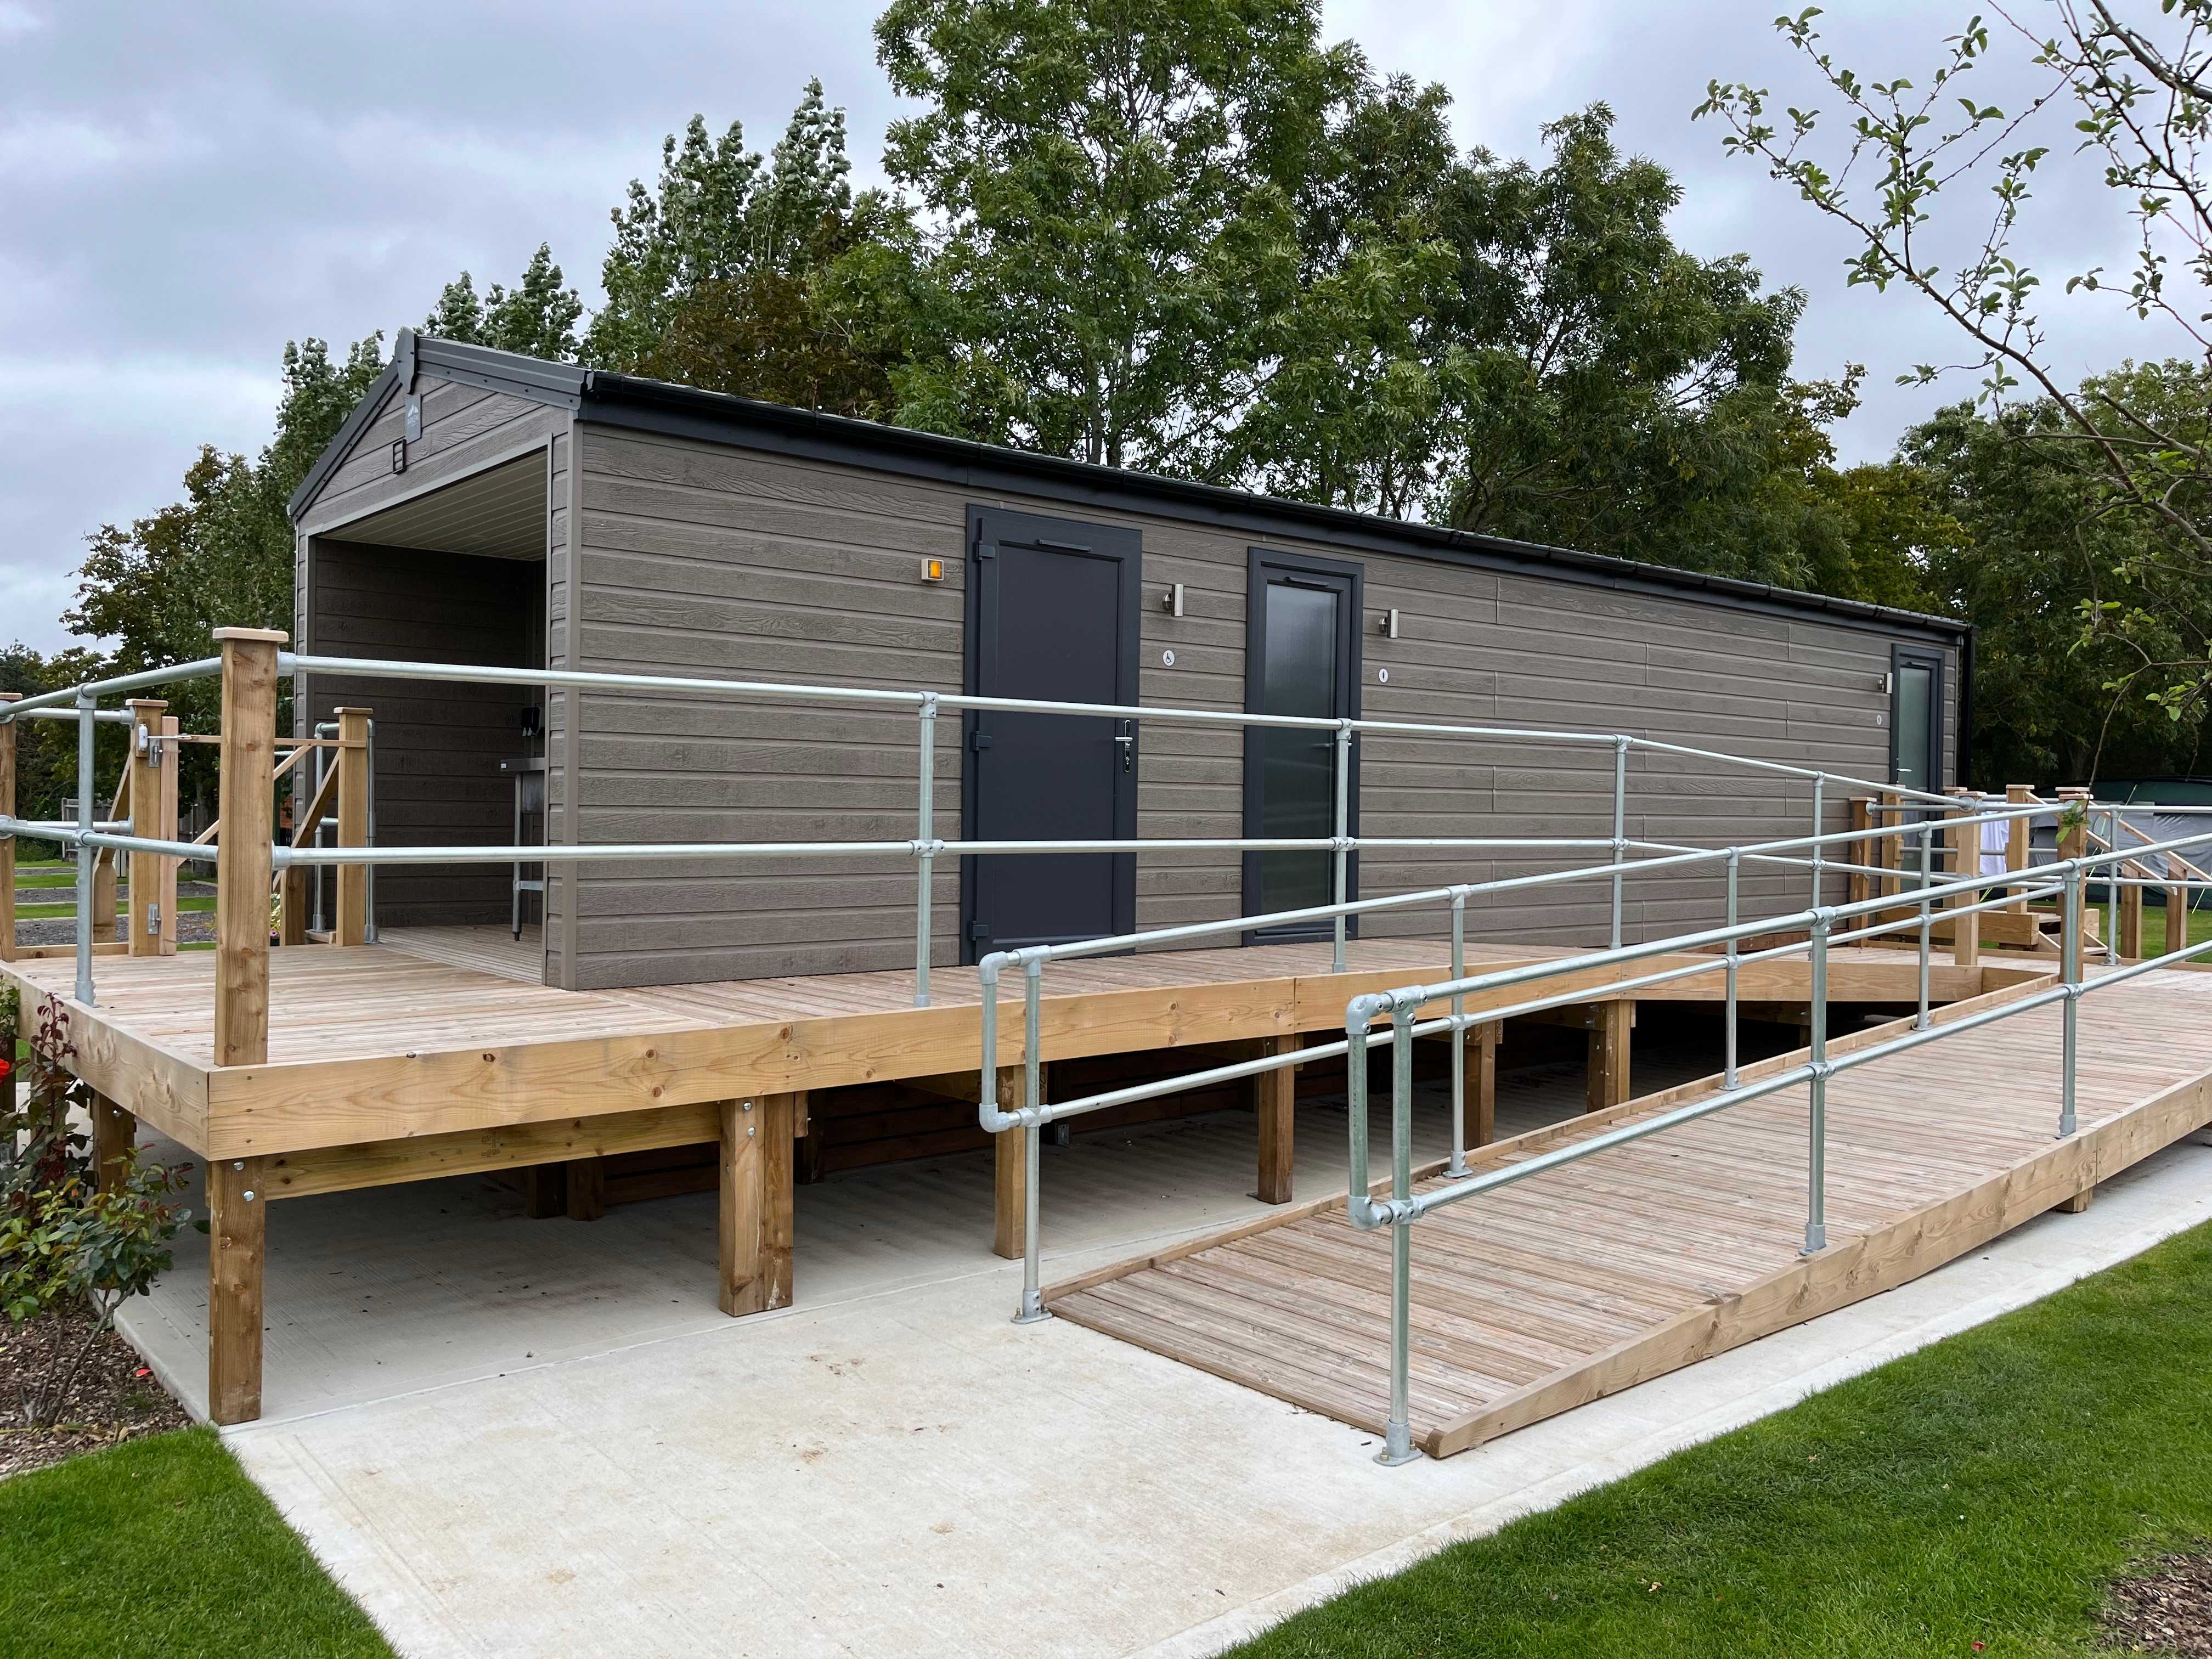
column 481, row 507
column 799, row 714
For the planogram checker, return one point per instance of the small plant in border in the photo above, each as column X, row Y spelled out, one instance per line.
column 62, row 1232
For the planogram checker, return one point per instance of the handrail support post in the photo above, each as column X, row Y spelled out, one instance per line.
column 925, row 831
column 1398, row 1436
column 87, row 855
column 1343, row 874
column 1032, row 1138
column 1620, row 829
column 1458, row 1164
column 1816, row 1178
column 2069, row 972
column 1728, row 1007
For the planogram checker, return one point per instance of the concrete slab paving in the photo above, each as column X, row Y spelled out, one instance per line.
column 897, row 1469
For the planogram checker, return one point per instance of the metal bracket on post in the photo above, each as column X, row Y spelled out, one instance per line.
column 1619, row 828
column 1816, row 1180
column 1343, row 834
column 87, row 855
column 925, row 832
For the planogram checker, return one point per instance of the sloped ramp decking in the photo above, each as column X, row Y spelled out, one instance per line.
column 1582, row 1281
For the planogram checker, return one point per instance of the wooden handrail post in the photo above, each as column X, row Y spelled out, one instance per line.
column 152, row 894
column 1855, row 884
column 244, row 849
column 167, row 799
column 1965, row 864
column 353, row 825
column 2073, row 843
column 2019, row 841
column 106, row 864
column 7, row 842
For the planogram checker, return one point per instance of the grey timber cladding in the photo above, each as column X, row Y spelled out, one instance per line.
column 696, row 557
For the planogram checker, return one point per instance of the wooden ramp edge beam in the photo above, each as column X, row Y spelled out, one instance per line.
column 1577, row 1127
column 1853, row 1270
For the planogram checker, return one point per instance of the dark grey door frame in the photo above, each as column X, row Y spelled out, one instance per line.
column 1919, row 656
column 1348, row 579
column 988, row 529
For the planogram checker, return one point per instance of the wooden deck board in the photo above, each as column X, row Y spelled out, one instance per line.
column 1647, row 1257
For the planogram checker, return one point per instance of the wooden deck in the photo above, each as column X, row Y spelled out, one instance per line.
column 434, row 1034
column 1590, row 1278
column 438, row 1053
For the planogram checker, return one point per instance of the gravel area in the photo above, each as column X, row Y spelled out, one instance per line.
column 193, row 926
column 115, row 1397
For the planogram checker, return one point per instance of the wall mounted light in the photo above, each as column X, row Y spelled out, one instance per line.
column 1389, row 628
column 933, row 570
column 1171, row 601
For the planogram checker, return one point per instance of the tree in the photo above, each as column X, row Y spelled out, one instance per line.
column 1617, row 393
column 2053, row 703
column 761, row 275
column 538, row 319
column 2142, row 96
column 1111, row 188
column 222, row 556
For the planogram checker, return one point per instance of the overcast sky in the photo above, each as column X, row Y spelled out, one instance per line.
column 188, row 186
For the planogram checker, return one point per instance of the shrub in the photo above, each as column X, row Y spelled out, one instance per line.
column 63, row 1234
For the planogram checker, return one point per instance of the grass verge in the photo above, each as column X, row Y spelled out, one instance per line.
column 163, row 1546
column 1974, row 1497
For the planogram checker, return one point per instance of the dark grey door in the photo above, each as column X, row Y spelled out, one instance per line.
column 1052, row 615
column 1917, row 719
column 1302, row 644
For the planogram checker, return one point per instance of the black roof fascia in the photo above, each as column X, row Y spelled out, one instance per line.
column 658, row 406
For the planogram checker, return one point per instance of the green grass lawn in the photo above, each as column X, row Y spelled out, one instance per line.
column 1974, row 1497
column 2200, row 928
column 162, row 1546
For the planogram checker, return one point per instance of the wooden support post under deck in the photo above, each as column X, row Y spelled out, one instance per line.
column 1965, row 841
column 2077, row 1204
column 237, row 1248
column 1480, row 1095
column 152, row 896
column 352, row 923
column 585, row 1188
column 1610, row 1024
column 245, row 845
column 114, row 1133
column 1275, row 1102
column 754, row 1223
column 544, row 1191
column 1010, row 1186
column 7, row 842
column 2131, row 914
column 2018, row 840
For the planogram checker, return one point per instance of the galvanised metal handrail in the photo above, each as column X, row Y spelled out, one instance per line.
column 925, row 847
column 1030, row 961
column 1404, row 1207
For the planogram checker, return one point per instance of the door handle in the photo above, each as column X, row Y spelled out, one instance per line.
column 1128, row 740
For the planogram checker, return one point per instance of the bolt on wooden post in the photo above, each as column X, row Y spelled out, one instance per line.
column 244, row 845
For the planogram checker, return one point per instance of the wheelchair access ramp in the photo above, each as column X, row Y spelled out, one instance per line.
column 1590, row 1278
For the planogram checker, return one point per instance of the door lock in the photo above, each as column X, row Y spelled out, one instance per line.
column 1128, row 740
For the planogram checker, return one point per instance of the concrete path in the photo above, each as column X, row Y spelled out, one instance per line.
column 904, row 1471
